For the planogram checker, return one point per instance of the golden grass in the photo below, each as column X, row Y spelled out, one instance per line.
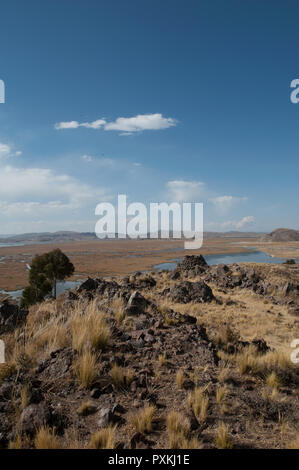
column 226, row 335
column 89, row 329
column 249, row 361
column 103, row 439
column 86, row 368
column 177, row 425
column 180, row 379
column 86, row 408
column 25, row 396
column 46, row 439
column 222, row 439
column 273, row 381
column 221, row 393
column 224, row 374
column 143, row 419
column 16, row 443
column 294, row 443
column 120, row 376
column 198, row 401
column 162, row 359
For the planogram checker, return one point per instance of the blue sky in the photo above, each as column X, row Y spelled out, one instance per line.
column 203, row 88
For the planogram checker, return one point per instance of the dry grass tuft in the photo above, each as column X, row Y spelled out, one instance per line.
column 16, row 443
column 221, row 393
column 273, row 381
column 142, row 420
column 162, row 359
column 103, row 439
column 46, row 439
column 180, row 379
column 25, row 396
column 178, row 426
column 86, row 368
column 121, row 377
column 87, row 408
column 90, row 330
column 293, row 444
column 198, row 401
column 222, row 439
column 224, row 374
column 226, row 337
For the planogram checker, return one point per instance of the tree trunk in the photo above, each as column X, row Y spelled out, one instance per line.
column 54, row 288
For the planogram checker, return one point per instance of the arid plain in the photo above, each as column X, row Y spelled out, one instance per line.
column 121, row 257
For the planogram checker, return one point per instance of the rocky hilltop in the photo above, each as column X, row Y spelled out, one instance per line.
column 193, row 358
column 282, row 235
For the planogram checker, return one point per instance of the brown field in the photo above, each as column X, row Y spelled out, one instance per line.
column 107, row 257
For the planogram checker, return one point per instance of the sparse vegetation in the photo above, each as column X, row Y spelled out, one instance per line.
column 180, row 379
column 86, row 368
column 120, row 377
column 80, row 355
column 142, row 420
column 103, row 439
column 198, row 401
column 87, row 408
column 222, row 438
column 46, row 439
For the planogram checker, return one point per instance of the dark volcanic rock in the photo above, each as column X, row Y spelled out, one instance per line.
column 190, row 266
column 191, row 291
column 136, row 304
column 88, row 285
column 11, row 316
column 34, row 417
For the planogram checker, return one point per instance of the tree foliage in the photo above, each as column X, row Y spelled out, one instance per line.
column 45, row 271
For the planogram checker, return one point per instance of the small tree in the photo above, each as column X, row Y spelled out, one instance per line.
column 45, row 271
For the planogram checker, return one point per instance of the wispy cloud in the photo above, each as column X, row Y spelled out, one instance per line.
column 39, row 190
column 75, row 124
column 232, row 224
column 180, row 190
column 4, row 150
column 225, row 203
column 125, row 125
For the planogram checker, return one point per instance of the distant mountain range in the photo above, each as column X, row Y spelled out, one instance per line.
column 69, row 236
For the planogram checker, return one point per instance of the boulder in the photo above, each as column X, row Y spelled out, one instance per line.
column 11, row 316
column 136, row 304
column 34, row 417
column 191, row 292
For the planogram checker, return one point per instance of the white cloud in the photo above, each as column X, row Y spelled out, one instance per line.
column 41, row 191
column 233, row 224
column 126, row 125
column 246, row 220
column 225, row 203
column 87, row 158
column 75, row 124
column 4, row 150
column 180, row 190
column 140, row 123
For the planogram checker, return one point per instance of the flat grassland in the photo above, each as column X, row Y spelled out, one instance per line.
column 105, row 257
column 120, row 257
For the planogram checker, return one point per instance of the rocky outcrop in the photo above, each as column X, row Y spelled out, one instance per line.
column 190, row 266
column 11, row 317
column 190, row 292
column 136, row 304
column 281, row 235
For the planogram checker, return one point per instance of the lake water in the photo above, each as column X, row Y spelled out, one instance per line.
column 7, row 245
column 61, row 287
column 247, row 257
